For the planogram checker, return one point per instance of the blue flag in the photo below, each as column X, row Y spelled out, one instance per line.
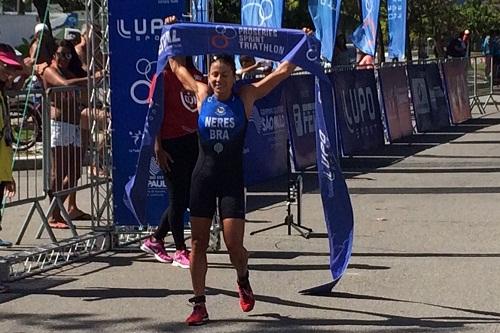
column 396, row 20
column 275, row 44
column 325, row 15
column 334, row 193
column 365, row 36
column 200, row 14
column 262, row 13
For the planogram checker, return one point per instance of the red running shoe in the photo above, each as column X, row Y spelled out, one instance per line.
column 199, row 316
column 247, row 299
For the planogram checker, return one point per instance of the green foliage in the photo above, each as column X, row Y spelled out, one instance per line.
column 227, row 11
column 447, row 18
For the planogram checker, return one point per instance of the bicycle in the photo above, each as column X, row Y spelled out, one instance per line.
column 26, row 126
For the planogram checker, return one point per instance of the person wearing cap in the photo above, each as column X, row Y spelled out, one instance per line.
column 72, row 35
column 43, row 40
column 10, row 67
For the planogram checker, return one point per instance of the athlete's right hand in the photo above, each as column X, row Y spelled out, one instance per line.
column 170, row 19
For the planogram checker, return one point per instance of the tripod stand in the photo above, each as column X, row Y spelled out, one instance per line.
column 294, row 195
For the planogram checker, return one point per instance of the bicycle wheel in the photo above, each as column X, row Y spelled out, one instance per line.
column 25, row 127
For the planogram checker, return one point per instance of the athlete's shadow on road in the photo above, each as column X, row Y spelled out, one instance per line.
column 100, row 294
column 257, row 322
column 275, row 322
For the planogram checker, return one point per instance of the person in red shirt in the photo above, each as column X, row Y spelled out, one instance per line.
column 176, row 151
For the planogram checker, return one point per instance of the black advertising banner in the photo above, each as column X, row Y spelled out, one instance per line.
column 393, row 82
column 300, row 108
column 429, row 101
column 358, row 110
column 455, row 72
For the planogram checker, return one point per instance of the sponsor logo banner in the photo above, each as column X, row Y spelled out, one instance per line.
column 393, row 82
column 360, row 121
column 429, row 101
column 266, row 139
column 300, row 106
column 134, row 38
column 455, row 72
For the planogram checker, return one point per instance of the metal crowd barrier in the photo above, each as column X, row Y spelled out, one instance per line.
column 71, row 149
column 26, row 110
column 35, row 161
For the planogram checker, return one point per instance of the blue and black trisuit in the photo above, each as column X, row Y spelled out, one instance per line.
column 219, row 169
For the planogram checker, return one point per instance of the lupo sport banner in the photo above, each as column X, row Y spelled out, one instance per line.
column 359, row 117
column 134, row 36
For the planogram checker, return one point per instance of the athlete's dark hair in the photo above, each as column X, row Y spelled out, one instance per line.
column 226, row 59
column 75, row 64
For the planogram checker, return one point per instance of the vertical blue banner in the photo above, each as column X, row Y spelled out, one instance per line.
column 396, row 21
column 365, row 36
column 262, row 13
column 199, row 10
column 334, row 193
column 134, row 39
column 325, row 15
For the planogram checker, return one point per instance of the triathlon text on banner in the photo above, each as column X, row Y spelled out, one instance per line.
column 396, row 21
column 275, row 44
column 262, row 13
column 365, row 36
column 134, row 37
column 325, row 15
